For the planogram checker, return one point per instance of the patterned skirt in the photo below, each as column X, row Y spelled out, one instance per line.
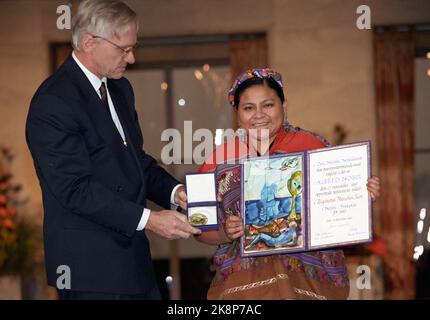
column 320, row 275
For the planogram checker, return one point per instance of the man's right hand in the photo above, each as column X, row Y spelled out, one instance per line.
column 171, row 225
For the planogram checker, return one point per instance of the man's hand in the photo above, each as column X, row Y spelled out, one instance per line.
column 181, row 197
column 170, row 224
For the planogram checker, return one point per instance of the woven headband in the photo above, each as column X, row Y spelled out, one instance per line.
column 263, row 73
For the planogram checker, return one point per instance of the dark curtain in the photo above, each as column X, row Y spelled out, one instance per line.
column 59, row 54
column 394, row 78
column 244, row 55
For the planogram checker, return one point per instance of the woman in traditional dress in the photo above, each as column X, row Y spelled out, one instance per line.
column 258, row 98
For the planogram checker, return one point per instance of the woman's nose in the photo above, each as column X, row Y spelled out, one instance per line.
column 259, row 113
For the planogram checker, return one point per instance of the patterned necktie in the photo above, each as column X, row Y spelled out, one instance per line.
column 103, row 94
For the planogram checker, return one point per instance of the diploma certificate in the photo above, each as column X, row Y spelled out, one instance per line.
column 306, row 201
column 339, row 205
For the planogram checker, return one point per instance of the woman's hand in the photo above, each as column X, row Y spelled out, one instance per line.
column 233, row 227
column 374, row 187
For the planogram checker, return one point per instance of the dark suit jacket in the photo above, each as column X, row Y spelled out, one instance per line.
column 94, row 188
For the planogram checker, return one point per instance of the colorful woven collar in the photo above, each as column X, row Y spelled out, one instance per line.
column 253, row 73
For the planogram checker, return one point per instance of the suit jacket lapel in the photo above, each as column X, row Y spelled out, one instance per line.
column 121, row 109
column 102, row 118
column 127, row 122
column 96, row 109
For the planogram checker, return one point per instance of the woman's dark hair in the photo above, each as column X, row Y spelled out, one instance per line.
column 255, row 82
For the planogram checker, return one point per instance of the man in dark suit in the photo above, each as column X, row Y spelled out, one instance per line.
column 87, row 147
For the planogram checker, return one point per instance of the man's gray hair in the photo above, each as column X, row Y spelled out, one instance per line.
column 104, row 18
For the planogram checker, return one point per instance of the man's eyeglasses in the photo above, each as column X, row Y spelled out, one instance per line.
column 125, row 51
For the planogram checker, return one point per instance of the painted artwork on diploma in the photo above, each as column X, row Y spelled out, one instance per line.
column 272, row 203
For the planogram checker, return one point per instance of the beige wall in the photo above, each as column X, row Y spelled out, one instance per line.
column 326, row 61
column 24, row 58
